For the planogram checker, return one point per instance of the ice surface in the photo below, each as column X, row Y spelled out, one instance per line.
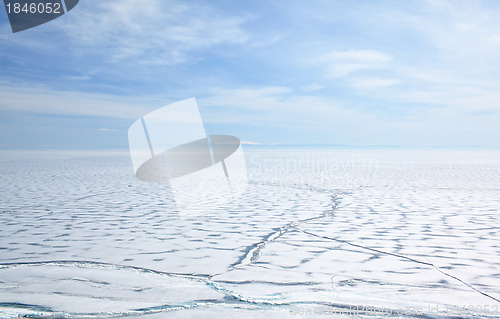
column 316, row 232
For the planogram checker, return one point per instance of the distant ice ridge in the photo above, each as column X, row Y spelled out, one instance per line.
column 317, row 233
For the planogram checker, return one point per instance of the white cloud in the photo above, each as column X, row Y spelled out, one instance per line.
column 452, row 122
column 452, row 66
column 249, row 143
column 371, row 83
column 460, row 38
column 343, row 63
column 279, row 107
column 434, row 67
column 245, row 98
column 455, row 66
column 150, row 31
column 48, row 101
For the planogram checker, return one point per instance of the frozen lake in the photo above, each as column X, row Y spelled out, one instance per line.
column 318, row 233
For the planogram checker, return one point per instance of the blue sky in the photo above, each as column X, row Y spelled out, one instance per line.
column 291, row 72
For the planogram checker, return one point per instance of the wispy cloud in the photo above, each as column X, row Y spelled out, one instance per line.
column 151, row 31
column 249, row 143
column 377, row 72
column 371, row 83
column 246, row 98
column 277, row 106
column 343, row 63
column 41, row 100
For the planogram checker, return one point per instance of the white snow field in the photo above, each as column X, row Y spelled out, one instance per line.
column 318, row 234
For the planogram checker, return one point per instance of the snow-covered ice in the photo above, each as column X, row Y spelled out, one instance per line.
column 323, row 233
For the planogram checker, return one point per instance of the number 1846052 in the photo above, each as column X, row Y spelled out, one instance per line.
column 34, row 8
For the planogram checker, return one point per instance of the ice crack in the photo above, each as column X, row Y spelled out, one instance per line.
column 403, row 257
column 253, row 252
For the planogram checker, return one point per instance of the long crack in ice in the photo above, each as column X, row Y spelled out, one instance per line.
column 253, row 252
column 400, row 256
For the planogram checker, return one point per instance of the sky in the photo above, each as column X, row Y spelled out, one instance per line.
column 267, row 72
